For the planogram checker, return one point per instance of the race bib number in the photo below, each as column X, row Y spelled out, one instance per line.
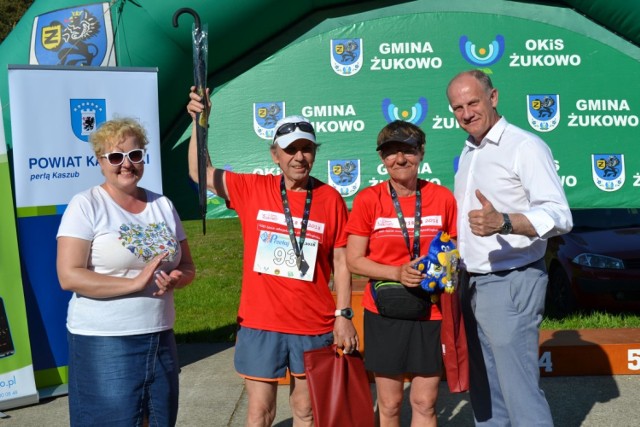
column 275, row 256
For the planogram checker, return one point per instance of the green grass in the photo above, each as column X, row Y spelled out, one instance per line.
column 593, row 320
column 206, row 310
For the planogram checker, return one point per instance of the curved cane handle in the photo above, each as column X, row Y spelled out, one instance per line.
column 191, row 12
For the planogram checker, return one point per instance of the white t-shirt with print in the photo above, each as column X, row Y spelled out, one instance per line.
column 121, row 244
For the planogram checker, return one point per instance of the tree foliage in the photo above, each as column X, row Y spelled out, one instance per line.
column 10, row 13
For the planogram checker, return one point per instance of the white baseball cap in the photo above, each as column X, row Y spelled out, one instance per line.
column 298, row 127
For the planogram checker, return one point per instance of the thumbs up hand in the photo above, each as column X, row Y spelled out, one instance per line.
column 487, row 220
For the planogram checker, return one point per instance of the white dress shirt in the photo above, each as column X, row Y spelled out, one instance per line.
column 515, row 171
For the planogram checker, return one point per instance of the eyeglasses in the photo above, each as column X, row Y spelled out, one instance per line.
column 116, row 158
column 291, row 127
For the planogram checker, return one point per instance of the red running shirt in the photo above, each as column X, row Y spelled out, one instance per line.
column 374, row 216
column 277, row 303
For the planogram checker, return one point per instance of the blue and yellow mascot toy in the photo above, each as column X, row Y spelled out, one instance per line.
column 440, row 265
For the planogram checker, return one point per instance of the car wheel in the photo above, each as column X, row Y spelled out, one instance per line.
column 560, row 301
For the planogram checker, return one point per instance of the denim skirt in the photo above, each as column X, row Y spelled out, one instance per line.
column 118, row 381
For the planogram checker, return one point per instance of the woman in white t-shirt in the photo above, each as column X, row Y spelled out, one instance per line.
column 122, row 251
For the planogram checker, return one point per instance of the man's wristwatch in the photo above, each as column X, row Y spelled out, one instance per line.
column 345, row 312
column 506, row 227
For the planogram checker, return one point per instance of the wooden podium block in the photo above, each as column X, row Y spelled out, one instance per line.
column 590, row 352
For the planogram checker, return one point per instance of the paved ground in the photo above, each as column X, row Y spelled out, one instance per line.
column 213, row 395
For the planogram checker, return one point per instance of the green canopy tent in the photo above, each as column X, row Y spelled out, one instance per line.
column 242, row 34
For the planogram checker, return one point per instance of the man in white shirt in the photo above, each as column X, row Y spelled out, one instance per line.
column 510, row 201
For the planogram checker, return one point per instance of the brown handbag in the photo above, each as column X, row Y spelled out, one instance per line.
column 339, row 388
column 454, row 343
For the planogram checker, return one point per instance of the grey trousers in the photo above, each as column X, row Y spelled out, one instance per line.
column 502, row 313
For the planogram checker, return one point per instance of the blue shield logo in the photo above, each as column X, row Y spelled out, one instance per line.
column 344, row 176
column 346, row 56
column 80, row 35
column 543, row 112
column 608, row 171
column 265, row 117
column 86, row 116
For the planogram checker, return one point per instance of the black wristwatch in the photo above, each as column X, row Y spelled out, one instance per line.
column 506, row 227
column 345, row 312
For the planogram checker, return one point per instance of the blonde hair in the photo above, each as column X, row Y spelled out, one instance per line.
column 112, row 132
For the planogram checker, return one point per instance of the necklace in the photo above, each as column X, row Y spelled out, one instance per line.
column 297, row 246
column 403, row 224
